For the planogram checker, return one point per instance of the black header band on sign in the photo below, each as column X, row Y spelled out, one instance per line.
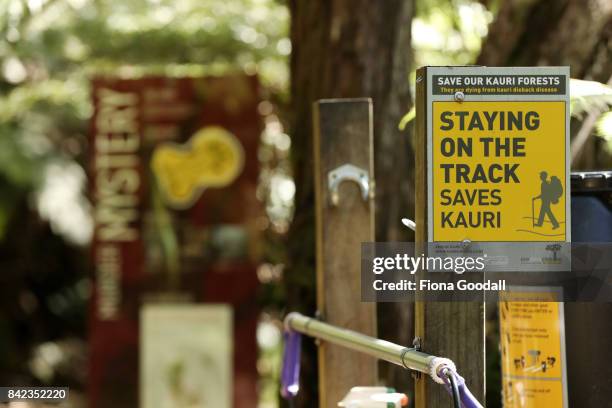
column 499, row 84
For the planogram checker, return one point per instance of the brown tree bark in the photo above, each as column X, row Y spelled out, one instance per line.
column 552, row 32
column 343, row 49
column 577, row 33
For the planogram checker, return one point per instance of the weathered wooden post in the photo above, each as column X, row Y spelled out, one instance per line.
column 344, row 219
column 451, row 329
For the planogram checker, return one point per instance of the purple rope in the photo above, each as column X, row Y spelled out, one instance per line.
column 290, row 373
column 467, row 399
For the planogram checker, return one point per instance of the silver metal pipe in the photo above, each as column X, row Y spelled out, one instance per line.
column 380, row 349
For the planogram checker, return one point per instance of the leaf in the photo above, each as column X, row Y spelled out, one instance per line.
column 407, row 118
column 604, row 126
column 588, row 95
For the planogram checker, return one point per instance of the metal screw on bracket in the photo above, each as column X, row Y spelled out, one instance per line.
column 350, row 173
column 459, row 96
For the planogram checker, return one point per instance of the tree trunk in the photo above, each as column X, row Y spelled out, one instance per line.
column 577, row 33
column 342, row 49
column 552, row 32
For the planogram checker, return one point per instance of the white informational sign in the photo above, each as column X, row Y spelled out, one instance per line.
column 186, row 356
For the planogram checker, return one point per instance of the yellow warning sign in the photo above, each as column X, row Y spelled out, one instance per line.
column 212, row 158
column 499, row 170
column 533, row 352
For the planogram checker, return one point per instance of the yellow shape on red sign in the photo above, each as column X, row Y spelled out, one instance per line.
column 212, row 158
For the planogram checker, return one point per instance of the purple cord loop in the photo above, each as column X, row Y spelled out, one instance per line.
column 290, row 373
column 467, row 399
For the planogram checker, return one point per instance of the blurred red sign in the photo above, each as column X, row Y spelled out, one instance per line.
column 173, row 173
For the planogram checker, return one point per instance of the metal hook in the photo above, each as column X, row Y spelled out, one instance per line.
column 350, row 173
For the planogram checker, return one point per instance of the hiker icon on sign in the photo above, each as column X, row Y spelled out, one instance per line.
column 550, row 192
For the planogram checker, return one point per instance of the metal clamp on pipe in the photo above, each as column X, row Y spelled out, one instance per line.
column 438, row 368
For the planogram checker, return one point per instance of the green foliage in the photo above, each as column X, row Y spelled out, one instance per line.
column 63, row 36
column 604, row 126
column 407, row 118
column 595, row 98
column 586, row 96
column 449, row 32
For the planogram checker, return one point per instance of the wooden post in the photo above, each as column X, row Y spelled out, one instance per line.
column 343, row 135
column 449, row 329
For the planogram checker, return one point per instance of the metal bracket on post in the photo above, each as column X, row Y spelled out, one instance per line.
column 416, row 344
column 350, row 173
column 318, row 316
